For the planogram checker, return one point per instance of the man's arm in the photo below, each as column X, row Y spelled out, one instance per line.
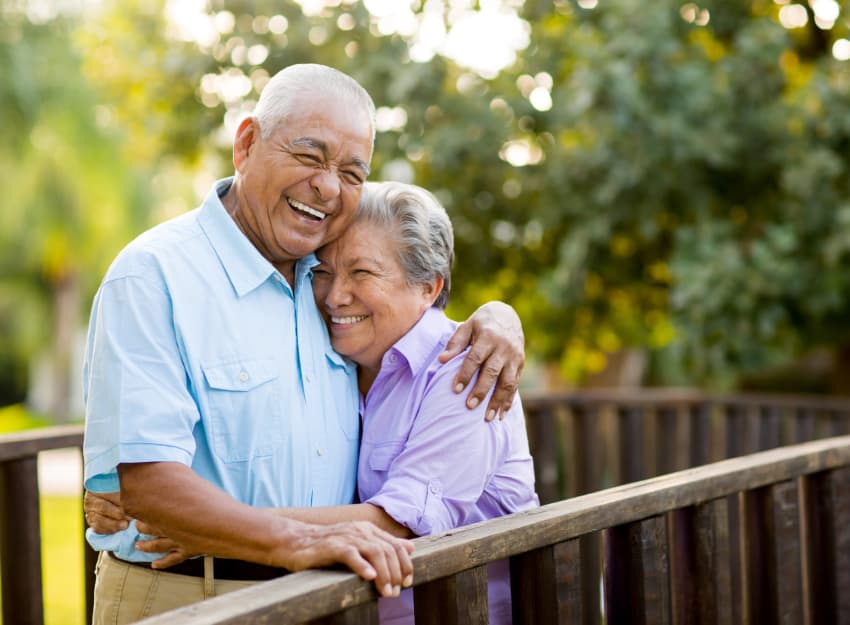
column 203, row 519
column 494, row 332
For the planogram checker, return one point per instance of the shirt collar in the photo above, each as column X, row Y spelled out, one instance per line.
column 246, row 268
column 421, row 341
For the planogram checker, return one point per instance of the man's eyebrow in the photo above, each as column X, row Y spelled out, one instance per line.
column 318, row 144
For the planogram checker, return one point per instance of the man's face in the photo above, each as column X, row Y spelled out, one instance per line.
column 299, row 188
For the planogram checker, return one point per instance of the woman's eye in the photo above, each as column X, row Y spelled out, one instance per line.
column 321, row 273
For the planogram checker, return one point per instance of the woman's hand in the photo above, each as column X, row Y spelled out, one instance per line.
column 174, row 551
column 104, row 513
column 497, row 353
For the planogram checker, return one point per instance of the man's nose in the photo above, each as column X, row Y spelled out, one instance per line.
column 325, row 183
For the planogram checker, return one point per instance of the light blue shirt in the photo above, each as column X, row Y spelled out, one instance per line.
column 199, row 352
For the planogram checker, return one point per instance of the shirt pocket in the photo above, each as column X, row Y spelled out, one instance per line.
column 244, row 408
column 382, row 456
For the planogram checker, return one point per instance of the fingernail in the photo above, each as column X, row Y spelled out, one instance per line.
column 388, row 590
column 408, row 581
column 473, row 402
column 396, row 591
column 491, row 414
column 458, row 387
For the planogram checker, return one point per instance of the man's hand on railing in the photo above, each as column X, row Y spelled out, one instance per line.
column 104, row 513
column 366, row 549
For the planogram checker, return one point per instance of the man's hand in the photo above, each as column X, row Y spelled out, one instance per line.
column 366, row 549
column 104, row 513
column 498, row 352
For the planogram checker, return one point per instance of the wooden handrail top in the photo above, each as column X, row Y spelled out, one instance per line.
column 17, row 445
column 313, row 594
column 674, row 396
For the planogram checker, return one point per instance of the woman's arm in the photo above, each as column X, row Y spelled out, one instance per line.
column 328, row 515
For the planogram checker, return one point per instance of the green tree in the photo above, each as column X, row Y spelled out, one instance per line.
column 685, row 191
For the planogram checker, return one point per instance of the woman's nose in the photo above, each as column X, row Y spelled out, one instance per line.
column 339, row 294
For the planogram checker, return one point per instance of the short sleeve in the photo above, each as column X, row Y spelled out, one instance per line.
column 451, row 454
column 138, row 404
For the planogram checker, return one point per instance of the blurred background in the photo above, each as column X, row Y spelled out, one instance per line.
column 661, row 189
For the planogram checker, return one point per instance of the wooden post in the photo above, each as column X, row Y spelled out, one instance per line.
column 629, row 447
column 826, row 501
column 701, row 591
column 20, row 542
column 543, row 442
column 773, row 578
column 637, row 573
column 546, row 585
column 459, row 599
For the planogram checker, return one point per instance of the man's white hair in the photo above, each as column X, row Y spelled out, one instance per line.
column 285, row 89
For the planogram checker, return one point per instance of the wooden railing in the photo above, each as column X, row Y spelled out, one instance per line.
column 582, row 442
column 669, row 556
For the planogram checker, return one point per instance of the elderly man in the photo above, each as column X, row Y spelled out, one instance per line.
column 212, row 390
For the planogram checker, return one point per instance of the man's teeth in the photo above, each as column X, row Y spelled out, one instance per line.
column 348, row 319
column 306, row 209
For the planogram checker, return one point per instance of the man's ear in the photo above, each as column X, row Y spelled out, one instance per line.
column 247, row 133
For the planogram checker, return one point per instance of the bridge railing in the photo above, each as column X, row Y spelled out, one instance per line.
column 581, row 441
column 669, row 556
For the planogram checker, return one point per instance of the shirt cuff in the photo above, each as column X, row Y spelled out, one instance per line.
column 416, row 505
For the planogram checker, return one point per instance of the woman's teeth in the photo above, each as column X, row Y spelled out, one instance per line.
column 348, row 320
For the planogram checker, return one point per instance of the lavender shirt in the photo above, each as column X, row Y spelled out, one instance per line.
column 431, row 463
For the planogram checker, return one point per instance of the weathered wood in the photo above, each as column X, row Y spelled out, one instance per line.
column 629, row 448
column 546, row 585
column 363, row 614
column 459, row 599
column 540, row 425
column 636, row 573
column 20, row 445
column 769, row 428
column 700, row 441
column 585, row 464
column 804, row 424
column 700, row 581
column 20, row 542
column 773, row 579
column 591, row 574
column 826, row 503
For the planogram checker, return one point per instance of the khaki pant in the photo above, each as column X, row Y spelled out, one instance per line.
column 124, row 593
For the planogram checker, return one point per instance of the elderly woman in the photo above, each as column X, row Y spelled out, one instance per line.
column 427, row 463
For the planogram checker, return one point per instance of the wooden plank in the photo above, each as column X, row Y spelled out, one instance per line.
column 769, row 424
column 459, row 599
column 699, row 564
column 700, row 440
column 636, row 573
column 540, row 425
column 629, row 449
column 20, row 542
column 585, row 466
column 804, row 425
column 546, row 585
column 826, row 502
column 734, row 416
column 21, row 445
column 591, row 575
column 363, row 614
column 773, row 579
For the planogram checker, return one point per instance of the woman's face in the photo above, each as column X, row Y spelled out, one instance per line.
column 364, row 296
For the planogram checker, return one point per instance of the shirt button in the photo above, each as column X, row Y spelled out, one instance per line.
column 243, row 375
column 393, row 358
column 307, row 378
column 433, row 488
column 320, row 452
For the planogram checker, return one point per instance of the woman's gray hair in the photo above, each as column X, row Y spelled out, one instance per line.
column 422, row 228
column 285, row 89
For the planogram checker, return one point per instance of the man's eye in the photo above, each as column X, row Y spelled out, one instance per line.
column 321, row 273
column 310, row 159
column 353, row 178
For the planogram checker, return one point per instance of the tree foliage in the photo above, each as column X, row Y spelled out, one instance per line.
column 686, row 191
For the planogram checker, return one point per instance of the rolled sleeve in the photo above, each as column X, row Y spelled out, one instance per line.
column 138, row 404
column 435, row 480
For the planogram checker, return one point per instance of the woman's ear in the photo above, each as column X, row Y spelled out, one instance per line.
column 431, row 290
column 247, row 133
